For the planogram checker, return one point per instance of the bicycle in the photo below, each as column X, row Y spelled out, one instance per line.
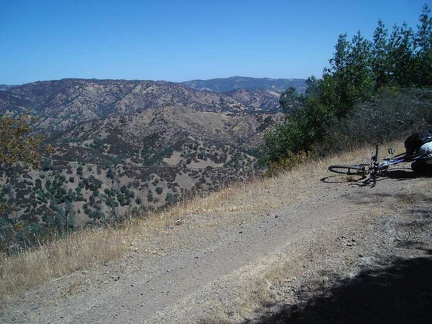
column 373, row 169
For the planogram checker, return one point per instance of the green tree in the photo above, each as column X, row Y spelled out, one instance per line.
column 423, row 45
column 379, row 55
column 16, row 143
column 357, row 70
column 334, row 91
column 401, row 61
column 304, row 125
column 313, row 86
column 349, row 77
column 291, row 101
column 360, row 62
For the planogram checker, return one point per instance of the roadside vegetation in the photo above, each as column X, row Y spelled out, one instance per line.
column 373, row 90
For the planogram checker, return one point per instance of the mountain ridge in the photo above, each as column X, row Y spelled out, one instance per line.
column 238, row 82
column 249, row 83
column 126, row 147
column 61, row 104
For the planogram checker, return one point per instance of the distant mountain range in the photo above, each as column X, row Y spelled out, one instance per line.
column 233, row 83
column 65, row 103
column 5, row 87
column 124, row 147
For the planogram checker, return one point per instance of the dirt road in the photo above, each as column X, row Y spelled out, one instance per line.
column 292, row 258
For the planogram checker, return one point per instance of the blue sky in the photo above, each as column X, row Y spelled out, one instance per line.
column 183, row 40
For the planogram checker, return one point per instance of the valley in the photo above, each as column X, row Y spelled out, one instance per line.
column 124, row 148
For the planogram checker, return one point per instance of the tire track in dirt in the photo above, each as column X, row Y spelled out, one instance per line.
column 163, row 287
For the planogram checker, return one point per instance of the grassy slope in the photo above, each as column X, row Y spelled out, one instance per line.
column 62, row 257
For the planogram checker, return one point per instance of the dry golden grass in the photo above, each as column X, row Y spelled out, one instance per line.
column 85, row 249
column 60, row 257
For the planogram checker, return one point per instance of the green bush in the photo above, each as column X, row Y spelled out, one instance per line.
column 159, row 190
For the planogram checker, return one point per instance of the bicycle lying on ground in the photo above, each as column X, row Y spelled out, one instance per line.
column 373, row 169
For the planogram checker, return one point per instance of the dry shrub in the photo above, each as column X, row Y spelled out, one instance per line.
column 291, row 161
column 390, row 115
column 60, row 257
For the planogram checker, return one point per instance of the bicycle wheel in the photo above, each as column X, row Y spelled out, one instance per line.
column 355, row 169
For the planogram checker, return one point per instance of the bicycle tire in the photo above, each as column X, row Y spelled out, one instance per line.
column 355, row 169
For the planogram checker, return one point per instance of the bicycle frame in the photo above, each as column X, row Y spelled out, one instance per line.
column 374, row 168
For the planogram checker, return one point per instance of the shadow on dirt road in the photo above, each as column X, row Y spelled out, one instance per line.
column 399, row 290
column 399, row 293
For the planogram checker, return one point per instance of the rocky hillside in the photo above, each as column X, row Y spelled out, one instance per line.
column 125, row 147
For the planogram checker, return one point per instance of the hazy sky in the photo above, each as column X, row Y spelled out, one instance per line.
column 183, row 40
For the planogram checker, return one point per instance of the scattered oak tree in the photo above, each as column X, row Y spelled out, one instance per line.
column 16, row 143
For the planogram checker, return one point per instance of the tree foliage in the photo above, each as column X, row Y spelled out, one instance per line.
column 423, row 45
column 357, row 72
column 16, row 143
